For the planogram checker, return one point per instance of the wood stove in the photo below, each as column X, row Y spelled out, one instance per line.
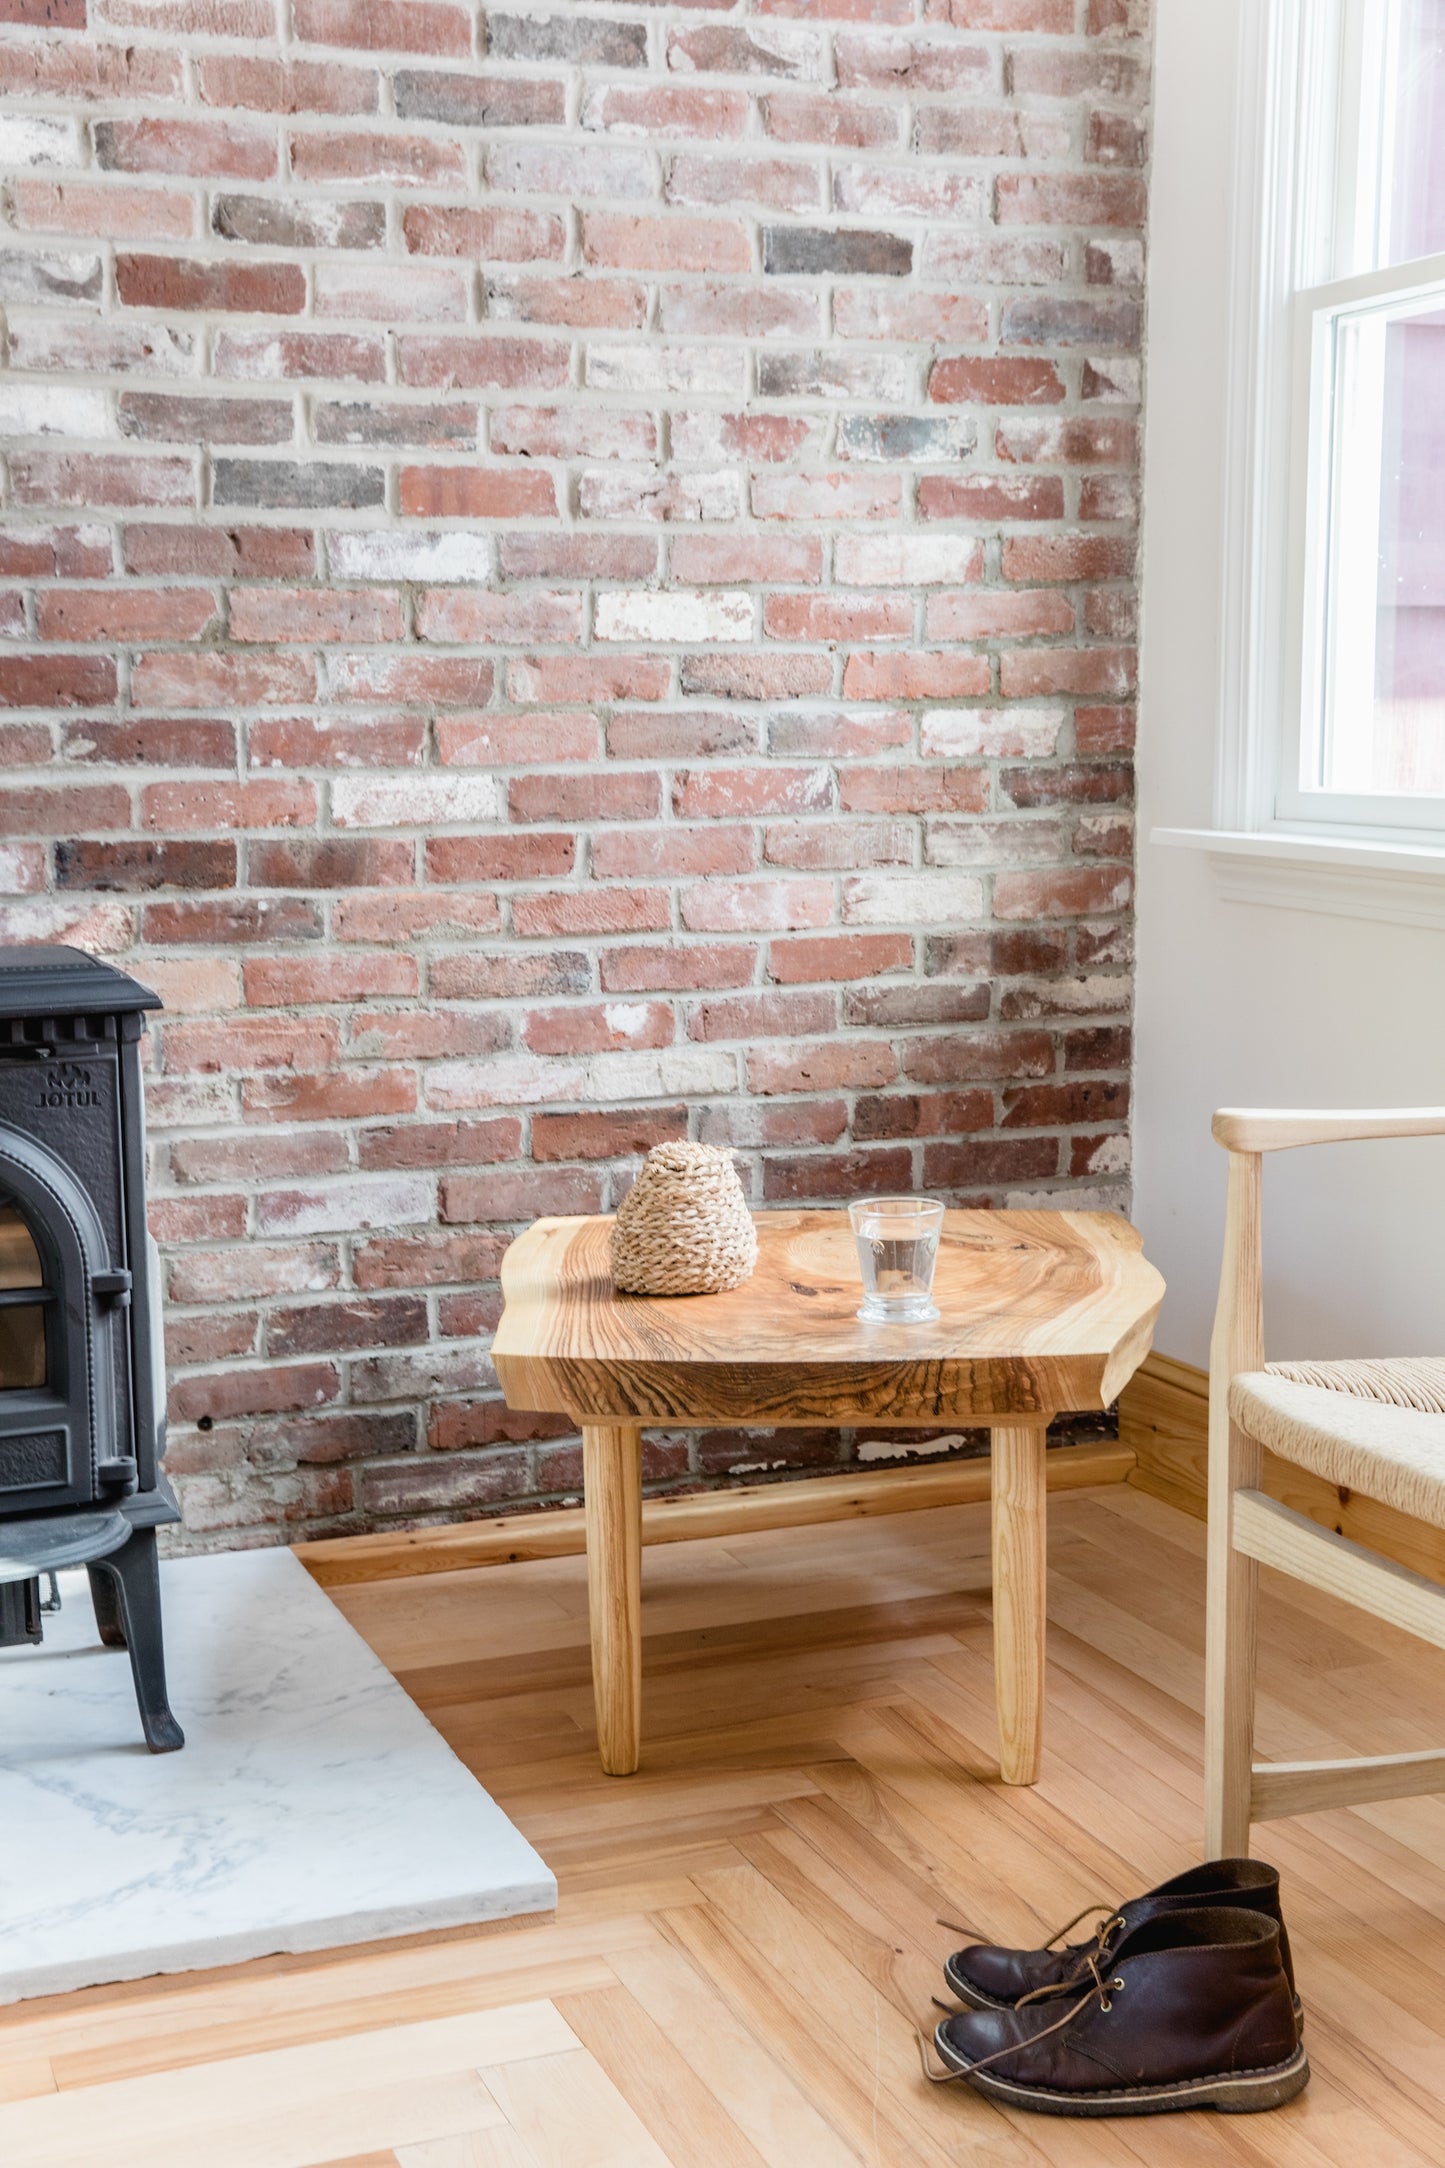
column 82, row 1370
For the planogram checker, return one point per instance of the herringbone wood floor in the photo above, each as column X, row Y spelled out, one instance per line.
column 748, row 1930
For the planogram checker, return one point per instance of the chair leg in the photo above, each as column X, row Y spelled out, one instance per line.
column 1236, row 1464
column 136, row 1596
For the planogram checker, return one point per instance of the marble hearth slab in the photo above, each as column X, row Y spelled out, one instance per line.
column 312, row 1804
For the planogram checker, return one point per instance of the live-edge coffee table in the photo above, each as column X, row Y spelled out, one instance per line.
column 1041, row 1312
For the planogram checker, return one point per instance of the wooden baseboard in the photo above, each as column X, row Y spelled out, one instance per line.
column 1164, row 1420
column 344, row 1560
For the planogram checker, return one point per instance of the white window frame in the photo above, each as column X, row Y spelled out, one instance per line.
column 1309, row 125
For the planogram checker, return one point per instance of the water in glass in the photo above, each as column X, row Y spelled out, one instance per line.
column 897, row 1241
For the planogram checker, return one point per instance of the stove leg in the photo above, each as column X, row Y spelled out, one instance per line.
column 107, row 1608
column 135, row 1591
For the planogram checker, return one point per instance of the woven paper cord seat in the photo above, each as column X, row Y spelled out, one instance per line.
column 1376, row 1427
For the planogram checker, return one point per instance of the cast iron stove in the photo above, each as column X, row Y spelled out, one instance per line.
column 82, row 1369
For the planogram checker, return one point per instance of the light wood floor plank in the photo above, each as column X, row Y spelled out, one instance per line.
column 747, row 1932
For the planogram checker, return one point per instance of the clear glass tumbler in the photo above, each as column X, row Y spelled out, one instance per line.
column 897, row 1240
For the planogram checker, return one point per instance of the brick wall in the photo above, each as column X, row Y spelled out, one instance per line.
column 568, row 578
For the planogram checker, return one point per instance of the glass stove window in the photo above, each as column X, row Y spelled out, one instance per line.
column 19, row 1258
column 22, row 1325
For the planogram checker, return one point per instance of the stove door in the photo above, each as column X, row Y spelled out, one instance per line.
column 56, row 1392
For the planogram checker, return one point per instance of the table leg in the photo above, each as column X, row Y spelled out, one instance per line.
column 1020, row 1558
column 612, row 1494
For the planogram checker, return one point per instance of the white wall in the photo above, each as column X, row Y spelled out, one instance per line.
column 1249, row 1004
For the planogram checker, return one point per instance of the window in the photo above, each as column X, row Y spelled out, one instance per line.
column 1363, row 679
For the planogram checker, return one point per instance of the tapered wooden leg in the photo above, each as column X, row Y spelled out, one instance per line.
column 612, row 1486
column 1235, row 1463
column 1020, row 1561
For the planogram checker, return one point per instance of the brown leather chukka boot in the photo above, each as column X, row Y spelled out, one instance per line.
column 987, row 1978
column 1189, row 2010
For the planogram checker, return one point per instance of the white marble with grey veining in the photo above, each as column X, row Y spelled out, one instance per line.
column 312, row 1804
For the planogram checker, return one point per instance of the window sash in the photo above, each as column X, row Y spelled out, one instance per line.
column 1312, row 697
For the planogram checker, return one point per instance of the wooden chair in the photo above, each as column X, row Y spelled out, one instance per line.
column 1376, row 1427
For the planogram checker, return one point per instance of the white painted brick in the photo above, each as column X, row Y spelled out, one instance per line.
column 393, row 1200
column 503, row 1080
column 640, row 615
column 1007, row 733
column 53, row 410
column 415, row 801
column 639, row 366
column 906, row 560
column 39, row 139
column 940, row 901
column 673, row 1071
column 440, row 555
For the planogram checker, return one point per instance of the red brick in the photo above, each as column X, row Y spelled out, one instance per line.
column 726, row 793
column 57, row 681
column 915, row 677
column 100, row 478
column 589, row 304
column 391, row 916
column 285, row 982
column 837, row 1175
column 999, row 615
column 827, row 1065
column 766, row 1015
column 837, row 845
column 356, row 1095
column 671, row 851
column 1068, row 557
column 849, row 956
column 664, row 244
column 119, row 214
column 449, row 616
column 664, row 111
column 989, row 380
column 442, row 1144
column 756, row 677
column 265, row 85
column 586, row 677
column 500, row 858
column 475, row 493
column 401, row 26
column 671, row 967
column 169, row 282
column 826, row 496
column 837, row 617
column 590, row 911
column 706, row 560
column 988, row 1163
column 1106, row 671
column 63, row 809
column 1071, row 892
column 624, row 1134
column 1104, row 730
column 1062, row 199
column 181, row 807
column 490, row 233
column 260, row 355
column 405, row 161
column 68, row 553
column 428, row 1260
column 592, row 1029
column 845, row 123
column 209, row 149
column 253, row 1392
column 991, row 496
column 201, row 679
column 972, row 1057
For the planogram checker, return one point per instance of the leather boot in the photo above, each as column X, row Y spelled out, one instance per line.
column 988, row 1978
column 1188, row 2010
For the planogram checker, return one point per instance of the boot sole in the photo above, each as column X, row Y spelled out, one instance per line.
column 976, row 1998
column 1238, row 2092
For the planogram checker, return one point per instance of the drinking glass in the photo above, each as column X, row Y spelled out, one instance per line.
column 897, row 1240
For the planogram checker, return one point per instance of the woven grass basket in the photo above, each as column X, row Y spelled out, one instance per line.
column 684, row 1228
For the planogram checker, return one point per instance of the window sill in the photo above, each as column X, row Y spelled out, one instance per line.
column 1402, row 883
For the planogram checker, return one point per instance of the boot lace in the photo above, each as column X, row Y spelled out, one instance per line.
column 1099, row 1990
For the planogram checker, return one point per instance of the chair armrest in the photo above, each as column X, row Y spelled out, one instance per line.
column 1260, row 1129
